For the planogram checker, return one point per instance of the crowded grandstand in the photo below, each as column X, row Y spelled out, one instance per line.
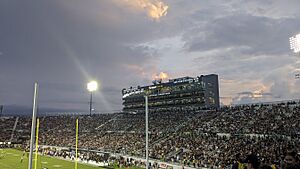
column 229, row 137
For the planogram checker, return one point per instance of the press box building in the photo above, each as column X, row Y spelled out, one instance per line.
column 180, row 94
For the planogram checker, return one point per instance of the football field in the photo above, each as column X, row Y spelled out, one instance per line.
column 11, row 159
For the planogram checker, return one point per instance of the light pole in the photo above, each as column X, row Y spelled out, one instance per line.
column 91, row 87
column 147, row 131
column 295, row 46
column 33, row 124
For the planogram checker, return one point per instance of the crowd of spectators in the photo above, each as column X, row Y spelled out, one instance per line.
column 218, row 138
column 6, row 126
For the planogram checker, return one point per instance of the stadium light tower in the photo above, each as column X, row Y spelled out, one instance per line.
column 91, row 87
column 295, row 43
column 295, row 46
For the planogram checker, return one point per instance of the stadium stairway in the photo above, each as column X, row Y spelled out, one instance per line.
column 114, row 118
column 13, row 130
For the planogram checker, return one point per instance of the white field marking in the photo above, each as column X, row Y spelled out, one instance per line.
column 57, row 166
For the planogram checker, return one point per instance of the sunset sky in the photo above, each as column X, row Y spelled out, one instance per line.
column 62, row 44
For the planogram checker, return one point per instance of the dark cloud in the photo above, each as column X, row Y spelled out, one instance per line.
column 259, row 35
column 255, row 93
column 253, row 97
column 63, row 44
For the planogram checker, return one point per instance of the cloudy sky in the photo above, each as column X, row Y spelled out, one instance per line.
column 63, row 44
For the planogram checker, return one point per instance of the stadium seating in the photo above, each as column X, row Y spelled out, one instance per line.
column 196, row 139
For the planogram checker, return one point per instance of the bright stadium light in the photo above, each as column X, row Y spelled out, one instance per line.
column 91, row 87
column 295, row 46
column 295, row 43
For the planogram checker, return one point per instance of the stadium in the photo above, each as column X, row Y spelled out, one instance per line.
column 202, row 136
column 149, row 84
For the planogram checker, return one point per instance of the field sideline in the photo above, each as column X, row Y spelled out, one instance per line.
column 12, row 160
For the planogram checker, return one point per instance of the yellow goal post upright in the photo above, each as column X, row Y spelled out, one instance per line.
column 36, row 142
column 76, row 148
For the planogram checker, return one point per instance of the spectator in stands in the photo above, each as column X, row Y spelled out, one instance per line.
column 291, row 160
column 238, row 162
column 196, row 138
column 252, row 161
column 266, row 167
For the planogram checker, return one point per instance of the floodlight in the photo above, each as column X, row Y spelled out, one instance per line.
column 92, row 86
column 295, row 43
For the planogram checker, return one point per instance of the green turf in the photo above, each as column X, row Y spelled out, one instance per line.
column 12, row 160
